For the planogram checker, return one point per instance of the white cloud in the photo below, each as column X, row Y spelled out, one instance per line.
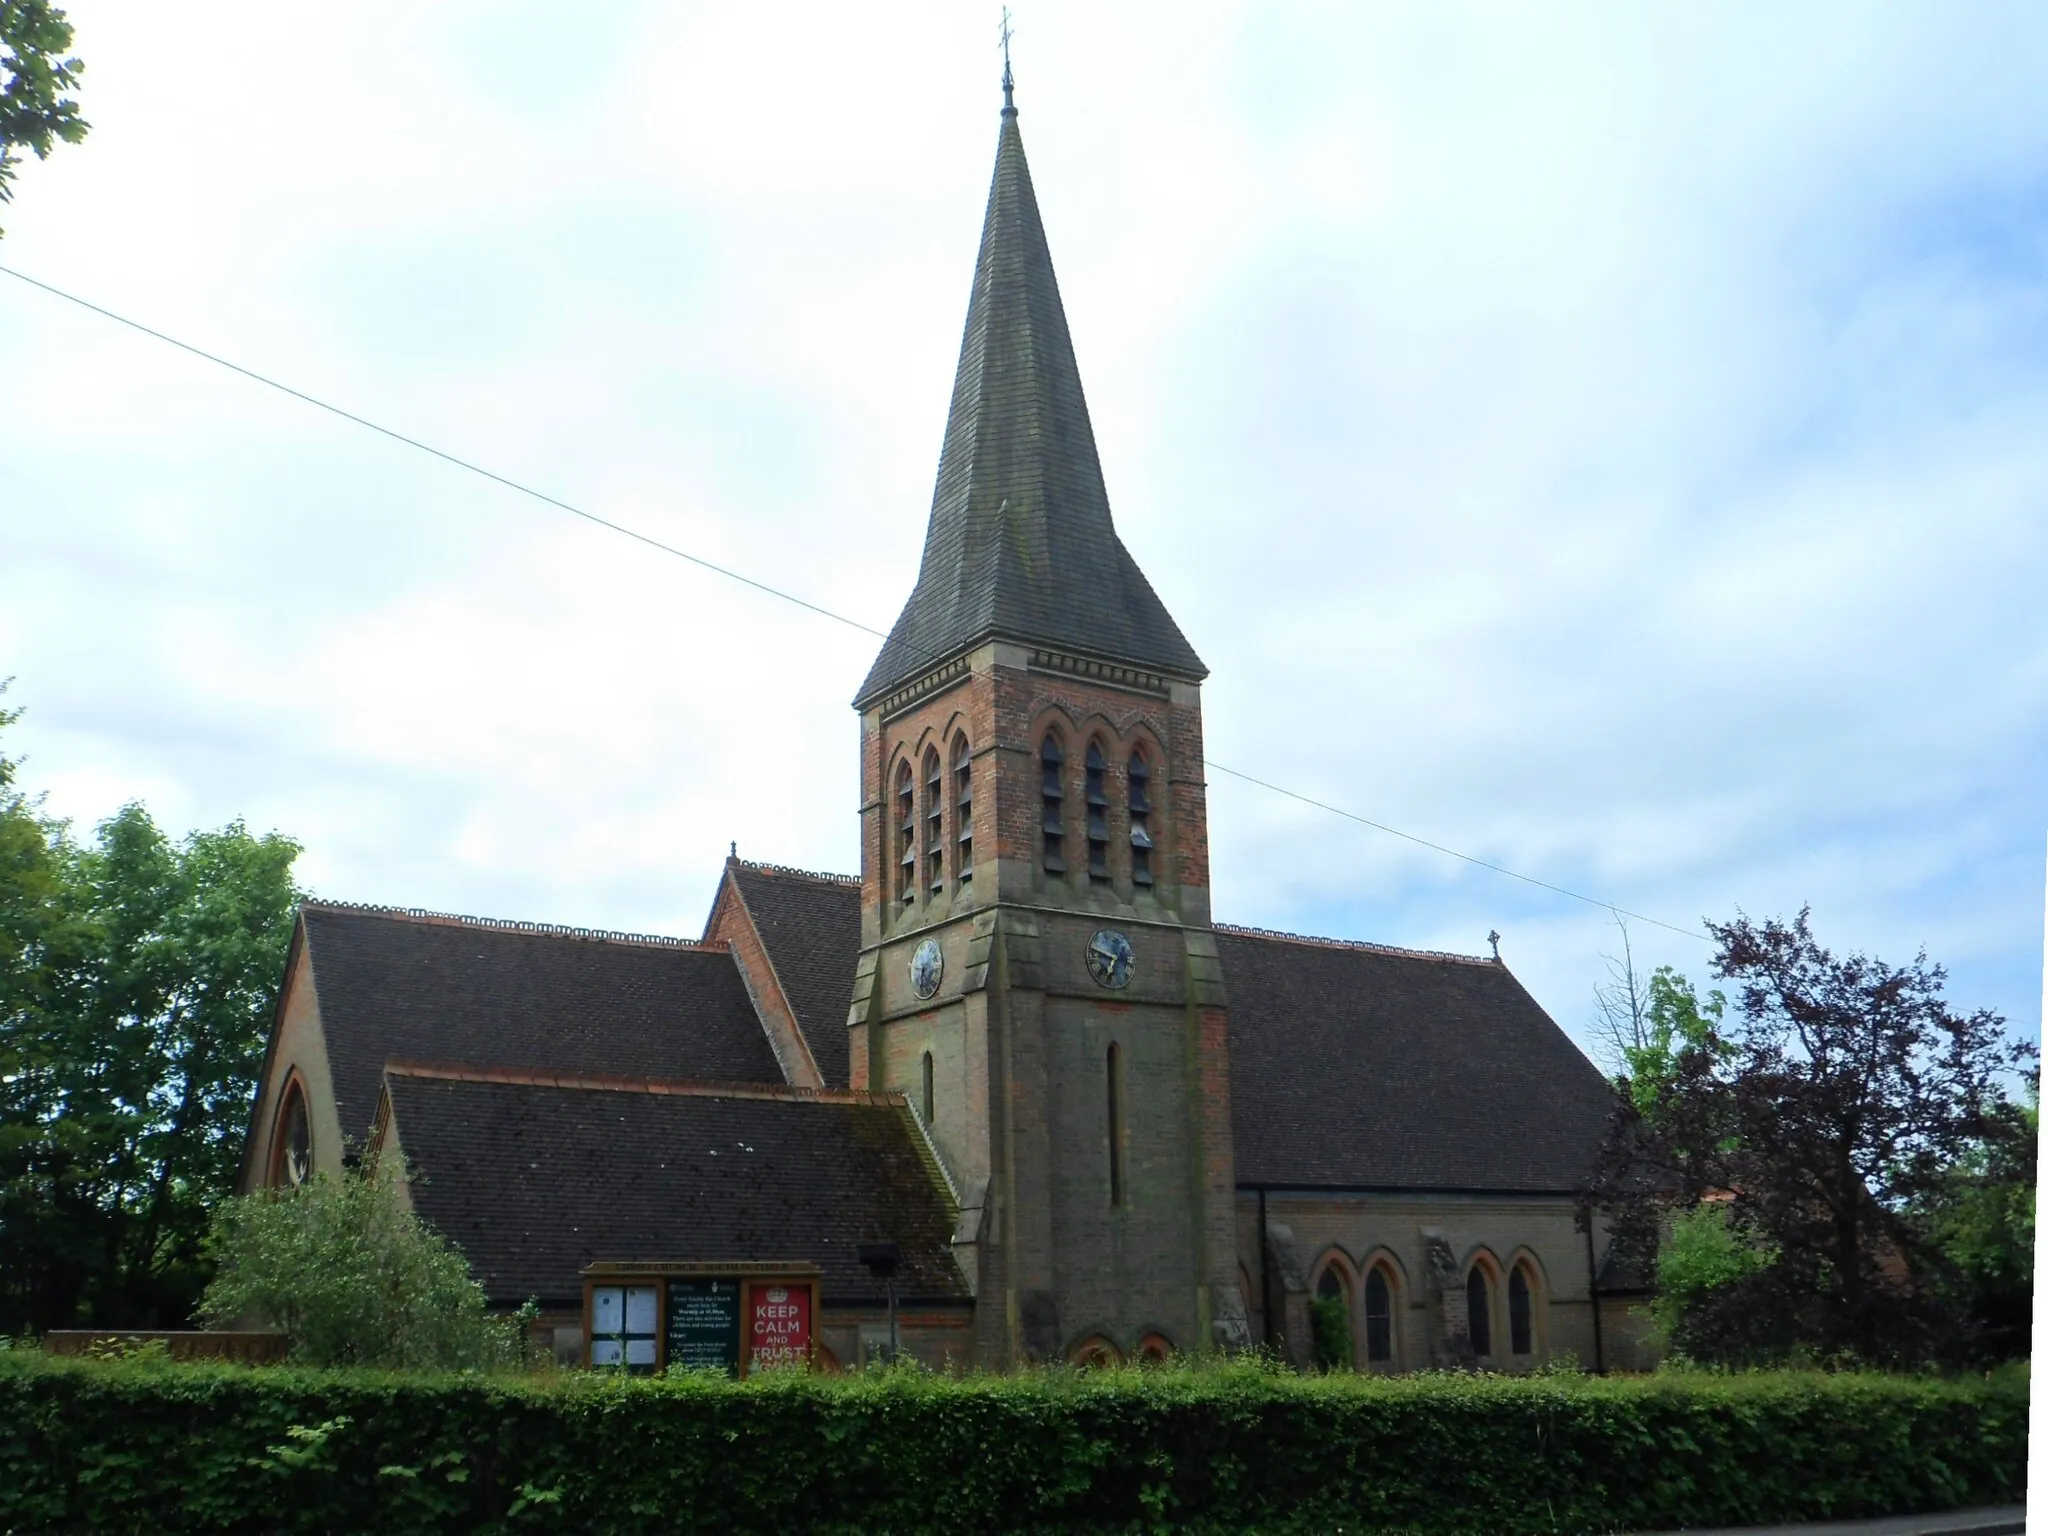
column 1605, row 442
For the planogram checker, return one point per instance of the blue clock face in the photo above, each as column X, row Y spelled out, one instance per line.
column 927, row 965
column 1109, row 958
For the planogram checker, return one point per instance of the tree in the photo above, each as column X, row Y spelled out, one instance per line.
column 140, row 978
column 1829, row 1118
column 34, row 75
column 344, row 1268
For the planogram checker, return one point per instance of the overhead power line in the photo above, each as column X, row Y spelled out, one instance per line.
column 762, row 586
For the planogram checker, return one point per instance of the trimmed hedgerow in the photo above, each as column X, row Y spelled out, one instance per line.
column 123, row 1446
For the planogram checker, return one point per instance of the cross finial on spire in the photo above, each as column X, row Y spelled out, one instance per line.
column 1009, row 106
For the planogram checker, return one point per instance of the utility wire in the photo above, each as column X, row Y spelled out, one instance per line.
column 762, row 586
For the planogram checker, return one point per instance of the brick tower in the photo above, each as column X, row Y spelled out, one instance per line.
column 1037, row 969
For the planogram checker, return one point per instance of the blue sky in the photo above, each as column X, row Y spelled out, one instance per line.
column 1611, row 443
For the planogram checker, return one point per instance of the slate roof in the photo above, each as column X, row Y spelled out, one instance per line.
column 415, row 987
column 810, row 926
column 1020, row 542
column 1353, row 1065
column 534, row 1182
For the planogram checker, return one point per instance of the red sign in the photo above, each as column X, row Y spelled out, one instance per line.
column 779, row 1324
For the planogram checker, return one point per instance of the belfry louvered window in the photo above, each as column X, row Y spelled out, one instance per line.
column 934, row 823
column 1098, row 814
column 963, row 809
column 906, row 836
column 1052, row 796
column 1140, row 773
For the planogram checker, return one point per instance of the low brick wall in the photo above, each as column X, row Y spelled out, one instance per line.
column 244, row 1347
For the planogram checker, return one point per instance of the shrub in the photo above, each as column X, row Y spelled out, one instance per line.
column 354, row 1278
column 120, row 1447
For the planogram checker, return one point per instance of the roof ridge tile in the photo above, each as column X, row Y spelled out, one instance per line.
column 822, row 876
column 1365, row 945
column 511, row 925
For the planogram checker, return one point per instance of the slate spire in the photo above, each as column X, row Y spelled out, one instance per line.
column 1020, row 543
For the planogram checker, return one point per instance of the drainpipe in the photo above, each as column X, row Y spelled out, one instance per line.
column 1265, row 1276
column 1593, row 1299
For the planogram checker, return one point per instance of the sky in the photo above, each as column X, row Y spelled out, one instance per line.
column 1609, row 442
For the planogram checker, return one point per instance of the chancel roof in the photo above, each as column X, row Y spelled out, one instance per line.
column 395, row 985
column 1020, row 543
column 1354, row 1066
column 535, row 1180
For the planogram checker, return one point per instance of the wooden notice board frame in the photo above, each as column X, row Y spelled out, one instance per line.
column 656, row 1273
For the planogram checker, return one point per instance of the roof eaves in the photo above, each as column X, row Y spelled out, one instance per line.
column 612, row 1082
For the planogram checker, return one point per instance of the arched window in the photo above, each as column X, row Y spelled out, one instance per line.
column 1053, row 822
column 1140, row 773
column 963, row 810
column 906, row 836
column 1098, row 814
column 934, row 823
column 1330, row 1320
column 1521, row 1312
column 1096, row 1353
column 1115, row 1067
column 1479, row 1310
column 1379, row 1317
column 292, row 1159
column 927, row 1087
column 1153, row 1349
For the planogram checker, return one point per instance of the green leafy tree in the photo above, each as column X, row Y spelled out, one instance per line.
column 141, row 975
column 35, row 74
column 1701, row 1257
column 1831, row 1114
column 345, row 1268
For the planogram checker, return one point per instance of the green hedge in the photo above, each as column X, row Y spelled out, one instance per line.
column 128, row 1446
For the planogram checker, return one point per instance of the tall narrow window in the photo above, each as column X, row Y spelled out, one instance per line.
column 927, row 1087
column 1379, row 1317
column 1479, row 1311
column 1140, row 773
column 1329, row 1321
column 1053, row 823
column 963, row 810
column 1098, row 814
column 292, row 1158
column 1521, row 1333
column 934, row 823
column 906, row 836
column 1116, row 1125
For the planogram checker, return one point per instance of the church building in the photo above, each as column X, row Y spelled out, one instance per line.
column 1093, row 1123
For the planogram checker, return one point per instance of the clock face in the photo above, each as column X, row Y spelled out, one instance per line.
column 1109, row 958
column 927, row 965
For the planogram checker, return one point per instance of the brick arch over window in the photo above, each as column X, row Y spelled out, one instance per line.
column 1383, row 1296
column 291, row 1136
column 1153, row 1349
column 1096, row 1351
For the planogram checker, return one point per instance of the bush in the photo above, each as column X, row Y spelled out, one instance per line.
column 354, row 1278
column 121, row 1447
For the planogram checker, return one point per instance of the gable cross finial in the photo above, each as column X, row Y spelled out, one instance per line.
column 1008, row 33
column 1493, row 938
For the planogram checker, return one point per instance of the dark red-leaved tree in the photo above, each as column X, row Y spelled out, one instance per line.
column 1826, row 1115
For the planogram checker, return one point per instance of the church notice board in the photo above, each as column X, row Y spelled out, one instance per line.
column 650, row 1317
